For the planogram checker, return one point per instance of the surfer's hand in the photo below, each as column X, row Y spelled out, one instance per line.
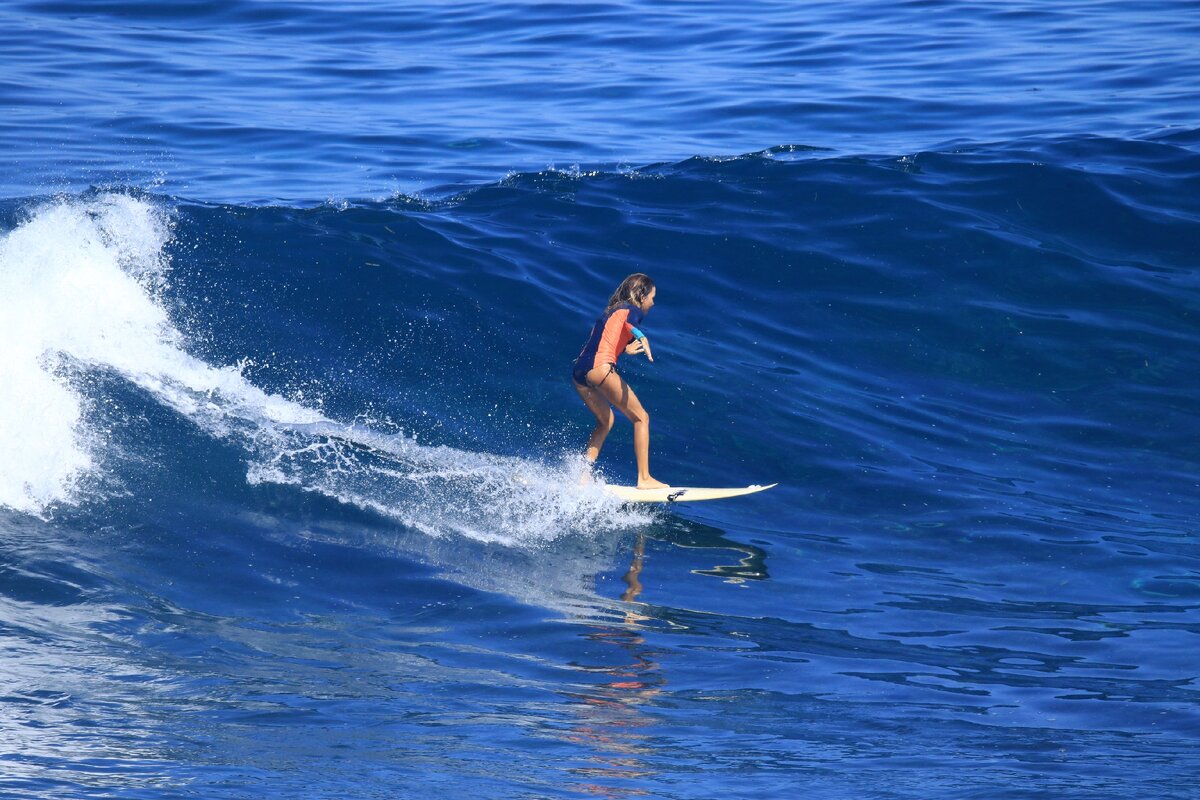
column 641, row 345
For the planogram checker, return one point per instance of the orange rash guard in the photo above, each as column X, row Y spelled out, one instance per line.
column 611, row 333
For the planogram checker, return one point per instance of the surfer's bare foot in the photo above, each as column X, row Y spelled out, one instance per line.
column 651, row 483
column 585, row 478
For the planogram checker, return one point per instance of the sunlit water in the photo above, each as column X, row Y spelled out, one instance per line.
column 289, row 503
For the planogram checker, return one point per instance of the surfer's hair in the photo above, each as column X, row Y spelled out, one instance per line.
column 632, row 290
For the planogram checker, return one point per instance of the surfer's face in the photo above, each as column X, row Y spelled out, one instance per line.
column 647, row 302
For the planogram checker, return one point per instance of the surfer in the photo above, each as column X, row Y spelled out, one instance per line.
column 595, row 371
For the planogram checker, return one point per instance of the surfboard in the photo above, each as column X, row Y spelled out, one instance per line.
column 680, row 494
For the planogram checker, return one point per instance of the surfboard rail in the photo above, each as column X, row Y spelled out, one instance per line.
column 682, row 494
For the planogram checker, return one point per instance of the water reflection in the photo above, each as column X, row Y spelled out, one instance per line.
column 751, row 564
column 609, row 720
column 613, row 720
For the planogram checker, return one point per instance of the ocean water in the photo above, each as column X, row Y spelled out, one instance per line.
column 289, row 294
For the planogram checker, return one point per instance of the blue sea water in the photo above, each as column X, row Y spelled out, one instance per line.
column 289, row 293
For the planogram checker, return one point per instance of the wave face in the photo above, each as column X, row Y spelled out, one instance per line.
column 296, row 483
column 85, row 282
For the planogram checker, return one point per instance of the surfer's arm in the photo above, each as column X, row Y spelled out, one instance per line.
column 640, row 344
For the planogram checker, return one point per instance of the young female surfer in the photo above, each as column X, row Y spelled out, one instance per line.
column 595, row 372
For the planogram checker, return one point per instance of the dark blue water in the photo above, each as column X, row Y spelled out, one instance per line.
column 289, row 293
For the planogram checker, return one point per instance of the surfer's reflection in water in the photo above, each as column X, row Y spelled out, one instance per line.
column 610, row 721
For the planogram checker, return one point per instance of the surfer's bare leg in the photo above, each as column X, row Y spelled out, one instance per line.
column 604, row 420
column 612, row 388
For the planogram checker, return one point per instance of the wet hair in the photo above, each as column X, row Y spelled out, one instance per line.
column 632, row 290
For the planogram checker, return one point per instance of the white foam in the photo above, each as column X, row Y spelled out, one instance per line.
column 75, row 279
column 81, row 284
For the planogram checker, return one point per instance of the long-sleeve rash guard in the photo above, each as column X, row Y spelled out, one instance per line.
column 611, row 333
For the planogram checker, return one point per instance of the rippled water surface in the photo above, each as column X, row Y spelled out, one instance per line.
column 238, row 100
column 289, row 293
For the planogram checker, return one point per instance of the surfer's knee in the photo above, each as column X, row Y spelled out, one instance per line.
column 605, row 422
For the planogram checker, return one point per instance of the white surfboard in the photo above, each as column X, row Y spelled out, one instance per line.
column 680, row 494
